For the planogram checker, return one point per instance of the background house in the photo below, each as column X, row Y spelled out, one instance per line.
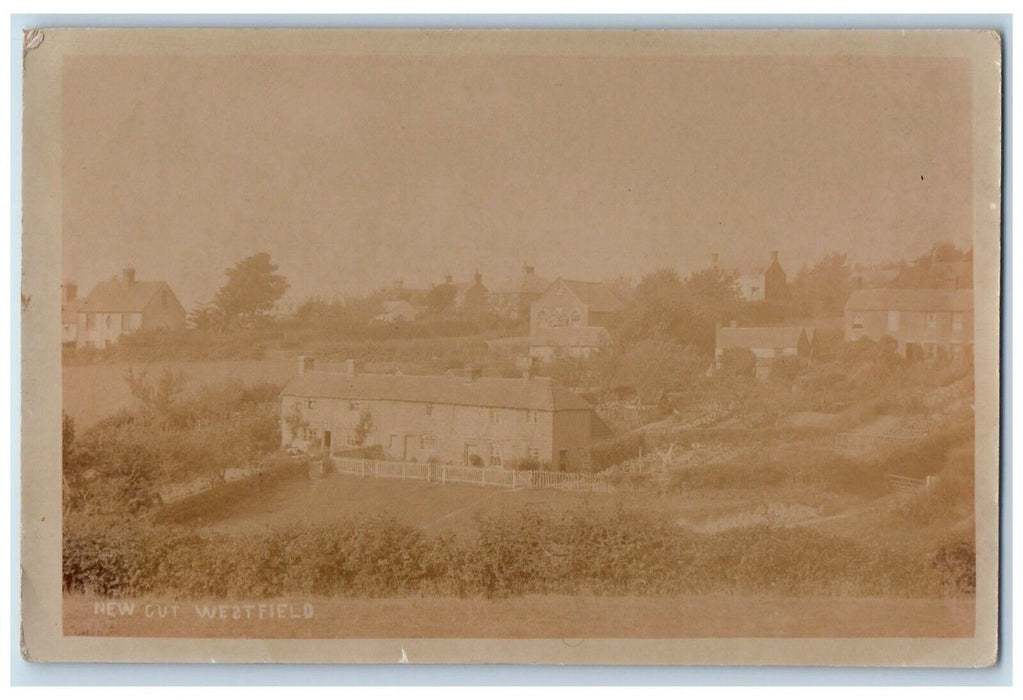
column 571, row 303
column 764, row 284
column 124, row 305
column 548, row 343
column 513, row 301
column 766, row 343
column 399, row 311
column 486, row 421
column 929, row 323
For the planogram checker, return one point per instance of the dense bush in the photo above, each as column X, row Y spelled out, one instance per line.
column 606, row 454
column 528, row 553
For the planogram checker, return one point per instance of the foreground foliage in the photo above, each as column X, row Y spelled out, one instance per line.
column 574, row 553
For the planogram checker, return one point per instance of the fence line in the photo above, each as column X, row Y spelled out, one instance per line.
column 479, row 476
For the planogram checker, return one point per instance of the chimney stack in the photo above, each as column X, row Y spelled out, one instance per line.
column 478, row 278
column 774, row 256
column 305, row 364
column 70, row 292
column 713, row 259
column 528, row 270
column 448, row 279
column 473, row 374
column 129, row 275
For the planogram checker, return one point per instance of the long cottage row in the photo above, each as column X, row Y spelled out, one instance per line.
column 470, row 420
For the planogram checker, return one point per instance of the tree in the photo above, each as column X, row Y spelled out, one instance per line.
column 253, row 286
column 822, row 290
column 441, row 297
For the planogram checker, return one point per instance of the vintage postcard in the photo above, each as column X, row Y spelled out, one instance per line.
column 617, row 347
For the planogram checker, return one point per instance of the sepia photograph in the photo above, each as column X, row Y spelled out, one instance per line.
column 514, row 346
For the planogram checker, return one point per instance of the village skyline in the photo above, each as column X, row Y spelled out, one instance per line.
column 380, row 169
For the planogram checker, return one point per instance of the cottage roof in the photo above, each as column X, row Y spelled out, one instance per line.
column 117, row 296
column 536, row 393
column 570, row 336
column 759, row 337
column 599, row 297
column 910, row 300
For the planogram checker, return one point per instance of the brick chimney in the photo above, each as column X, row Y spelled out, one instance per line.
column 713, row 259
column 478, row 278
column 774, row 256
column 449, row 279
column 305, row 364
column 129, row 275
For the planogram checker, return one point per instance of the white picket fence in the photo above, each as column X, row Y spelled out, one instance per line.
column 477, row 476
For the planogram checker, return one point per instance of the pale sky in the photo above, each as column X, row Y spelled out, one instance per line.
column 356, row 171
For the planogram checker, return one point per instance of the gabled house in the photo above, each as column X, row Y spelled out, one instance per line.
column 570, row 317
column 764, row 284
column 575, row 304
column 929, row 323
column 471, row 420
column 513, row 301
column 124, row 305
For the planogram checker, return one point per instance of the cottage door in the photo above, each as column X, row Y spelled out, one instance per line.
column 410, row 447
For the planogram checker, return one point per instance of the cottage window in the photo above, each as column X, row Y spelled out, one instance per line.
column 957, row 323
column 893, row 320
column 352, row 439
column 90, row 321
column 534, row 454
column 857, row 322
column 495, row 456
column 392, row 441
column 309, row 403
column 310, row 434
column 428, row 442
column 353, row 406
column 108, row 321
column 494, row 415
column 532, row 416
column 125, row 321
column 932, row 322
column 429, row 409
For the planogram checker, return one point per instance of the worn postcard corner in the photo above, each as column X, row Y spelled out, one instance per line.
column 592, row 347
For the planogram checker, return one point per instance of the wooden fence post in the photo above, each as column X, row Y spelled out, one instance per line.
column 443, row 474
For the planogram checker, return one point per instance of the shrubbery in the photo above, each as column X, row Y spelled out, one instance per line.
column 572, row 553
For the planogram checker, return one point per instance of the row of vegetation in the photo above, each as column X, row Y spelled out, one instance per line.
column 574, row 553
column 173, row 436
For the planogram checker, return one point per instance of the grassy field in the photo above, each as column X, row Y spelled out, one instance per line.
column 567, row 617
column 437, row 509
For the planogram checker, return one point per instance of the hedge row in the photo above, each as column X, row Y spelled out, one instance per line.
column 513, row 555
